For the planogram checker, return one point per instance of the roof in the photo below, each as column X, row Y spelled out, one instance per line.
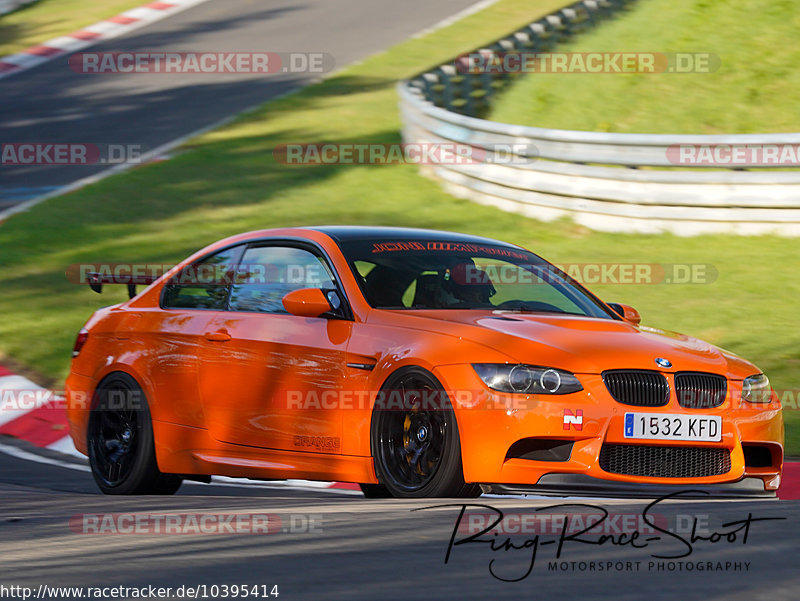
column 344, row 233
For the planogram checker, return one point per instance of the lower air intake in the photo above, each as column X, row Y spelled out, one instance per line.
column 664, row 462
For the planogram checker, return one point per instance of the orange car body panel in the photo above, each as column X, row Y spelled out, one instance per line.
column 282, row 398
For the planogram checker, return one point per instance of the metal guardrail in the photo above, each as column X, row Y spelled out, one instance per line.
column 606, row 181
column 468, row 93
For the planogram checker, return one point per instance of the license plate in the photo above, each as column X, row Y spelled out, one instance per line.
column 673, row 426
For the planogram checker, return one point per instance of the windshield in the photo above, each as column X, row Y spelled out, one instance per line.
column 435, row 274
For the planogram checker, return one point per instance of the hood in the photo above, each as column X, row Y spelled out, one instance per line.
column 581, row 344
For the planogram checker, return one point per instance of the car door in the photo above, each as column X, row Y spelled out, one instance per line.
column 267, row 378
column 175, row 333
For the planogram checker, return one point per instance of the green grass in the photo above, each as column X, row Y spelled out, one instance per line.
column 227, row 182
column 47, row 19
column 754, row 89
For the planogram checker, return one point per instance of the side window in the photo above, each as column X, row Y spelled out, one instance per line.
column 205, row 284
column 267, row 273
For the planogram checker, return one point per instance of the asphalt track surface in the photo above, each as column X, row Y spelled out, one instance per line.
column 363, row 549
column 53, row 104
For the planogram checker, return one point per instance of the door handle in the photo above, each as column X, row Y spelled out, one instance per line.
column 219, row 336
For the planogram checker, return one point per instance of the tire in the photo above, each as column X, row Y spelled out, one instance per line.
column 415, row 444
column 120, row 441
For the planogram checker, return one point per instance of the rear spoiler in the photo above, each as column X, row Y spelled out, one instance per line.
column 96, row 281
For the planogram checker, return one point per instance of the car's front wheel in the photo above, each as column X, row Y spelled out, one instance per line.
column 120, row 441
column 415, row 441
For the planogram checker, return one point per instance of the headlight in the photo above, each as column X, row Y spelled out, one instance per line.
column 527, row 379
column 756, row 389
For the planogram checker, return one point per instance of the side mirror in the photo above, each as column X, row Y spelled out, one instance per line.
column 307, row 302
column 627, row 312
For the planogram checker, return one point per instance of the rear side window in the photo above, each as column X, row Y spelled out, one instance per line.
column 267, row 273
column 205, row 284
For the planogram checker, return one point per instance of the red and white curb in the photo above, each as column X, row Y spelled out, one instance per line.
column 104, row 30
column 30, row 412
column 37, row 415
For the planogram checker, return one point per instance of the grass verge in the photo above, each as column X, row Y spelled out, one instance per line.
column 47, row 19
column 752, row 91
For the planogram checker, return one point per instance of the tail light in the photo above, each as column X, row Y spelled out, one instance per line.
column 80, row 340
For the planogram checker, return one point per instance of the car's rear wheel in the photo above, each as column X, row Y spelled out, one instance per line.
column 415, row 440
column 120, row 441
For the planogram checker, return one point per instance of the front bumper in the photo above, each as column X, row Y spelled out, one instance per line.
column 490, row 423
column 561, row 485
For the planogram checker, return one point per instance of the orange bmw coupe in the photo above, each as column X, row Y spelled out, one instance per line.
column 415, row 363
